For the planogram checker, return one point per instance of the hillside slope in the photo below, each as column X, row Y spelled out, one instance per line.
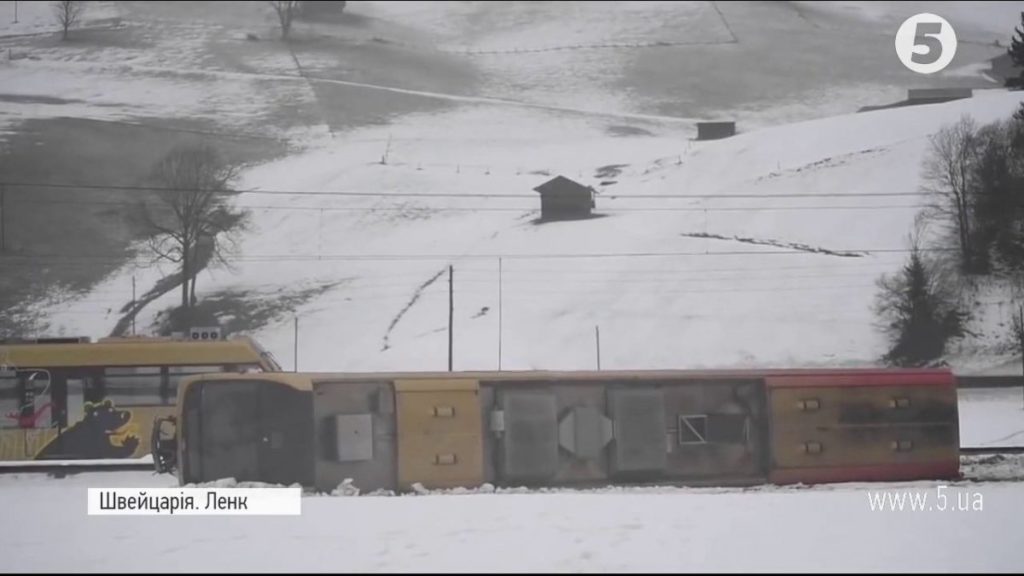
column 480, row 103
column 783, row 273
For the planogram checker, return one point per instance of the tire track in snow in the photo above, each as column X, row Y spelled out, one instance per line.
column 416, row 296
column 776, row 243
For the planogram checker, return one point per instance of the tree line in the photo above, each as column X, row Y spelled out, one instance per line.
column 974, row 177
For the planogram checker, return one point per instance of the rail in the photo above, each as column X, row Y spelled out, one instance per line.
column 981, row 451
column 989, row 381
column 60, row 469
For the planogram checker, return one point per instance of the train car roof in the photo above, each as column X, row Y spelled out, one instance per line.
column 133, row 352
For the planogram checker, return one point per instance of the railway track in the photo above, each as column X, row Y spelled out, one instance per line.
column 69, row 468
column 979, row 451
column 966, row 382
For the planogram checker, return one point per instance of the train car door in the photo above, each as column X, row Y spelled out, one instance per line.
column 230, row 432
column 286, row 441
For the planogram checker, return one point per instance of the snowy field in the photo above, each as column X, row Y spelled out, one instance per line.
column 826, row 528
column 991, row 417
column 789, row 256
column 674, row 274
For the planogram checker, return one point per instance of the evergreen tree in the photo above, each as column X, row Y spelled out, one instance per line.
column 919, row 316
column 1016, row 52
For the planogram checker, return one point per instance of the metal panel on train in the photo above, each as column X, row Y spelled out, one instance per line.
column 529, row 442
column 640, row 430
column 548, row 432
column 573, row 432
column 716, row 430
column 355, row 434
column 440, row 433
column 870, row 432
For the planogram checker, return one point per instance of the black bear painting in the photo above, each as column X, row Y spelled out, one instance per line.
column 93, row 436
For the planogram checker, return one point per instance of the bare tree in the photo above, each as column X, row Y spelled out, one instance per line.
column 67, row 12
column 286, row 11
column 192, row 223
column 947, row 172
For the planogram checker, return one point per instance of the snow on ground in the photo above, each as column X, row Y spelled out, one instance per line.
column 628, row 530
column 977, row 22
column 702, row 59
column 126, row 93
column 24, row 18
column 991, row 417
column 661, row 300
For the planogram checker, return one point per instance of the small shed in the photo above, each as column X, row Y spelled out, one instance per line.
column 715, row 130
column 564, row 199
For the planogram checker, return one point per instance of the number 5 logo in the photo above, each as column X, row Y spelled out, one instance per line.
column 926, row 43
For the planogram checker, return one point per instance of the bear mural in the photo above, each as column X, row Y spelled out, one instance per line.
column 93, row 436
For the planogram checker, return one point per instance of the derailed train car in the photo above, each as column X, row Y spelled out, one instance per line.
column 445, row 429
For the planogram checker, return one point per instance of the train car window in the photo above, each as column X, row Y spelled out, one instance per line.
column 175, row 374
column 713, row 429
column 728, row 428
column 9, row 400
column 133, row 385
column 693, row 429
column 74, row 409
column 26, row 397
column 195, row 369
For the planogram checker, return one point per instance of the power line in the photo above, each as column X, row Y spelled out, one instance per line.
column 491, row 256
column 488, row 277
column 499, row 209
column 139, row 188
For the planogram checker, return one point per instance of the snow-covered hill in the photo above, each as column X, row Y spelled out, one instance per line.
column 759, row 250
column 752, row 289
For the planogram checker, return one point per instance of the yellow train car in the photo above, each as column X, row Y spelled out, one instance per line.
column 395, row 431
column 68, row 399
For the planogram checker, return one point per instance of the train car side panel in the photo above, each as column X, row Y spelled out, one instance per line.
column 440, row 437
column 355, row 432
column 842, row 428
column 438, row 430
column 716, row 430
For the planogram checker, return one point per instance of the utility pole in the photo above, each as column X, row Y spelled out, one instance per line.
column 499, row 314
column 597, row 335
column 451, row 311
column 133, row 305
column 1019, row 329
column 295, row 367
column 15, row 11
column 384, row 158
